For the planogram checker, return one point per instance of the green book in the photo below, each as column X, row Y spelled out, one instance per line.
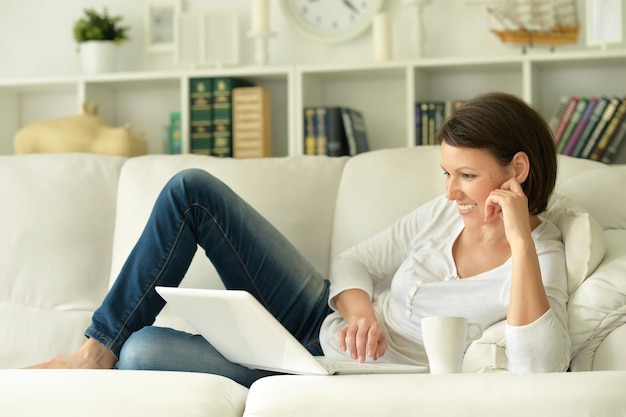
column 201, row 115
column 175, row 137
column 223, row 113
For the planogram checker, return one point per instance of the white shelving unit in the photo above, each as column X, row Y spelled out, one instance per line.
column 385, row 93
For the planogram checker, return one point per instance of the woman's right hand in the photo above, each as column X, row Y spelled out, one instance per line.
column 362, row 337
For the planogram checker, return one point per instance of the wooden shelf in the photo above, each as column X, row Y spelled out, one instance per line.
column 386, row 93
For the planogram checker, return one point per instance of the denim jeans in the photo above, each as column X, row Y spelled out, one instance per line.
column 195, row 208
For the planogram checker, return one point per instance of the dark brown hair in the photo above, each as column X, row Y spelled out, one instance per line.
column 504, row 125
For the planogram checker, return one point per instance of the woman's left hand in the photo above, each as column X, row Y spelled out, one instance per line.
column 511, row 204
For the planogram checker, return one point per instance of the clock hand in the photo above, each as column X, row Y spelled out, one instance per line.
column 349, row 5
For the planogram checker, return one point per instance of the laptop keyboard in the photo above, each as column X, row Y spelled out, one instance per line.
column 350, row 366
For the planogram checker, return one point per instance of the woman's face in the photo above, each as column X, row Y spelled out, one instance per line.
column 471, row 175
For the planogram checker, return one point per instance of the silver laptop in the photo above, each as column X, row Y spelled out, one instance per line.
column 244, row 332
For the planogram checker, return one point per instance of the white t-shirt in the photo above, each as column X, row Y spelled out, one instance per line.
column 409, row 272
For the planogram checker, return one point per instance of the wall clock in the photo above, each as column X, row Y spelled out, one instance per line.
column 330, row 20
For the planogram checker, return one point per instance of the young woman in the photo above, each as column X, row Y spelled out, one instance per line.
column 480, row 251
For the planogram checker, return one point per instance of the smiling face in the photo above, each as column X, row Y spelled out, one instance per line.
column 471, row 175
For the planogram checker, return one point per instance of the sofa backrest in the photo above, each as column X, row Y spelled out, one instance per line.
column 56, row 222
column 296, row 194
column 598, row 188
column 379, row 187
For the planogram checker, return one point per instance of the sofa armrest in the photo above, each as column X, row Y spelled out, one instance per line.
column 598, row 306
column 610, row 352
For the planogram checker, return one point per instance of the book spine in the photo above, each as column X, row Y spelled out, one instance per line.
column 565, row 118
column 449, row 109
column 349, row 131
column 418, row 124
column 611, row 127
column 309, row 131
column 440, row 117
column 360, row 131
column 600, row 127
column 175, row 134
column 425, row 117
column 554, row 120
column 252, row 131
column 576, row 116
column 616, row 144
column 223, row 113
column 596, row 114
column 577, row 133
column 432, row 122
column 321, row 138
column 201, row 115
column 337, row 142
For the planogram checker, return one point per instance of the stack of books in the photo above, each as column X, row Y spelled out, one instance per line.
column 212, row 108
column 590, row 128
column 334, row 131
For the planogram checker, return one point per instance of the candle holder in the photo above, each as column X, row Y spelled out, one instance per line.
column 261, row 46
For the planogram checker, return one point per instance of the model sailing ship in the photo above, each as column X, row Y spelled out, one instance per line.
column 537, row 22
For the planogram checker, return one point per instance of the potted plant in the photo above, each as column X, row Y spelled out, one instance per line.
column 97, row 35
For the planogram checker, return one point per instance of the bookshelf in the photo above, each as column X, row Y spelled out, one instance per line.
column 385, row 92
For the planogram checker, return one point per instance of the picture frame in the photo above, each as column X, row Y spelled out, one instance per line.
column 161, row 20
column 207, row 39
column 603, row 22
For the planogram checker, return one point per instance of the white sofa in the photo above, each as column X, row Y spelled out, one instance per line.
column 68, row 221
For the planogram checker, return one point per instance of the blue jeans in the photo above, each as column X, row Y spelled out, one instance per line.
column 195, row 208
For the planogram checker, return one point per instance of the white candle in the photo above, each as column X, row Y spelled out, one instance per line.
column 381, row 34
column 260, row 20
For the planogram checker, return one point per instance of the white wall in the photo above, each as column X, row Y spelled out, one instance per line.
column 36, row 35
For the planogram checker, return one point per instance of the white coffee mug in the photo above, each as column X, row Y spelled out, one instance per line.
column 445, row 340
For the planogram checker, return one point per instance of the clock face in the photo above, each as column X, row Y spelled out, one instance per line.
column 331, row 20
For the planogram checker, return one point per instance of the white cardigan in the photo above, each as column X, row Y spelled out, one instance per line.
column 409, row 271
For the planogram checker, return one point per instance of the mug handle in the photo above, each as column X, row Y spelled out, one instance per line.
column 479, row 333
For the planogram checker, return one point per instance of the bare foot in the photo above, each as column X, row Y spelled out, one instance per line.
column 91, row 355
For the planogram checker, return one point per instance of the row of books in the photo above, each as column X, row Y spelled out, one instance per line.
column 590, row 128
column 334, row 131
column 229, row 117
column 429, row 116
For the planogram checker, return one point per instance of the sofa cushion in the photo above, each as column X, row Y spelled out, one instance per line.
column 379, row 187
column 274, row 186
column 503, row 394
column 598, row 306
column 583, row 239
column 62, row 393
column 57, row 217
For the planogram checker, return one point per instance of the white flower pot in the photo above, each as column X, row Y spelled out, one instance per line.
column 98, row 56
